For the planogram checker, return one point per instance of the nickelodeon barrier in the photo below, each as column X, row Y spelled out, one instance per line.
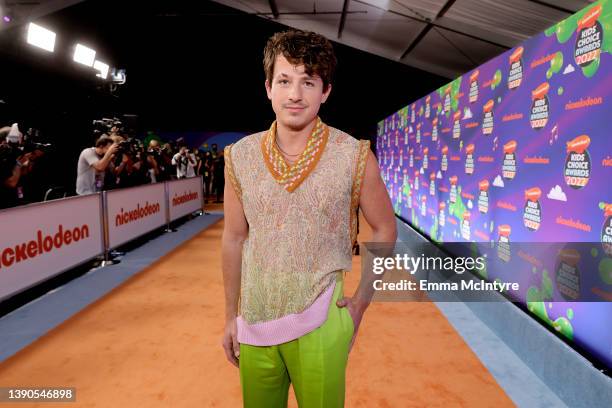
column 42, row 240
column 520, row 150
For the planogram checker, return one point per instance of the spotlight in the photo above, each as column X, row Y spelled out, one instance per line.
column 84, row 55
column 102, row 67
column 118, row 76
column 41, row 37
column 7, row 19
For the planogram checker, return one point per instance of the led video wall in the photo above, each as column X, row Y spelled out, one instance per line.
column 520, row 150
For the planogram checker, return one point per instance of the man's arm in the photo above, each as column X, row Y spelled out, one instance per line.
column 378, row 212
column 235, row 232
column 13, row 180
column 102, row 164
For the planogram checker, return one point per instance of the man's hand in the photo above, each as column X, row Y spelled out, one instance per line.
column 230, row 342
column 112, row 149
column 356, row 310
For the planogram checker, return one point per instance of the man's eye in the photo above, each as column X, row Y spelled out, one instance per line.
column 283, row 81
column 308, row 83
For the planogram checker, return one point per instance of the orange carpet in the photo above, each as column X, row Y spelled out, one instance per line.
column 156, row 342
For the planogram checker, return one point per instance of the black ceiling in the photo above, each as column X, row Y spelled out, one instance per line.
column 190, row 66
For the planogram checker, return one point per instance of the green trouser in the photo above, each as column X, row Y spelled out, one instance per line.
column 315, row 363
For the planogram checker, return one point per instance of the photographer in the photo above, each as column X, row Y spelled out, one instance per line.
column 16, row 165
column 92, row 164
column 134, row 166
column 160, row 160
column 185, row 163
column 10, row 175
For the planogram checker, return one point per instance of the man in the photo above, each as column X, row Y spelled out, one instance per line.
column 92, row 165
column 218, row 176
column 290, row 225
column 185, row 163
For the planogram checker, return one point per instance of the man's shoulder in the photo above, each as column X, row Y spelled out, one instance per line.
column 88, row 151
column 342, row 138
column 246, row 144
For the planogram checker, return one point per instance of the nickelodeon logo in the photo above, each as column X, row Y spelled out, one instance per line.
column 138, row 213
column 184, row 198
column 42, row 244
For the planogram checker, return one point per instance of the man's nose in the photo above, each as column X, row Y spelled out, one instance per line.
column 295, row 93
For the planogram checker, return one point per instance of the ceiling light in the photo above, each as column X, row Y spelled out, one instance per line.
column 102, row 67
column 41, row 37
column 84, row 55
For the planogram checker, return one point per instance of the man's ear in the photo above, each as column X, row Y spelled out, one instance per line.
column 268, row 89
column 326, row 93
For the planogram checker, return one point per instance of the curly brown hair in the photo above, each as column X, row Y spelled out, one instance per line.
column 299, row 47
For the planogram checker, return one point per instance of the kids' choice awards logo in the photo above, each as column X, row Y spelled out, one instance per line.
column 432, row 183
column 473, row 94
column 411, row 157
column 406, row 136
column 453, row 190
column 567, row 274
column 469, row 159
column 606, row 230
column 418, row 134
column 444, row 162
column 442, row 214
column 428, row 106
column 396, row 138
column 509, row 164
column 456, row 125
column 540, row 107
column 465, row 226
column 483, row 196
column 577, row 169
column 401, row 162
column 589, row 39
column 426, row 158
column 503, row 242
column 532, row 215
column 416, row 180
column 423, row 205
column 516, row 69
column 487, row 121
column 412, row 113
column 447, row 99
column 409, row 197
column 434, row 130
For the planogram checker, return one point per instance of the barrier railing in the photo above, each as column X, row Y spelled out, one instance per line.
column 42, row 240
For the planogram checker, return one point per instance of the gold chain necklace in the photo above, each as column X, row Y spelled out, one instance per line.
column 284, row 152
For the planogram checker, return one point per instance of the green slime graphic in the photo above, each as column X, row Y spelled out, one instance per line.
column 565, row 29
column 605, row 270
column 496, row 79
column 536, row 304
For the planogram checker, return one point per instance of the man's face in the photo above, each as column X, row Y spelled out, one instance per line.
column 102, row 150
column 296, row 96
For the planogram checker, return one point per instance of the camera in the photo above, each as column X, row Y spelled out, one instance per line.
column 107, row 126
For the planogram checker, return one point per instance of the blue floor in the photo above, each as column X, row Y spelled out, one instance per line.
column 568, row 374
column 25, row 325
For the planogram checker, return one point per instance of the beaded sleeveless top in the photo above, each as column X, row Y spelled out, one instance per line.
column 301, row 217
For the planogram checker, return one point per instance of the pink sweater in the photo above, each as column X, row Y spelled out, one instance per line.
column 288, row 327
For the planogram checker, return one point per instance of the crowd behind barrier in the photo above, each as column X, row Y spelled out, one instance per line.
column 51, row 237
column 116, row 161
